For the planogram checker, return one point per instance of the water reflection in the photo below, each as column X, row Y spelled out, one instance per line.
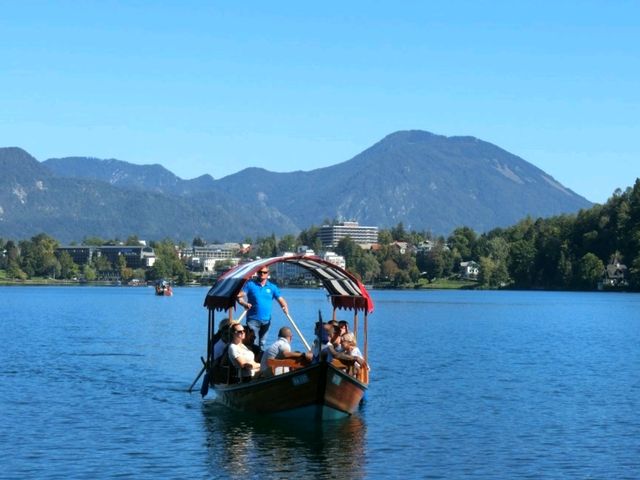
column 249, row 446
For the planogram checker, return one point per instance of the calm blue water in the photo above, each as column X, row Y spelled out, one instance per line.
column 463, row 385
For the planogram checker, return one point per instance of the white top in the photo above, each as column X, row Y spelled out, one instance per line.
column 240, row 350
column 276, row 350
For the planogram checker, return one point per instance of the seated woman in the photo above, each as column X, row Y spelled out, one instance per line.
column 240, row 356
column 351, row 349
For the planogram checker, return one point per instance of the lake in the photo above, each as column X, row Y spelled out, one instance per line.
column 464, row 384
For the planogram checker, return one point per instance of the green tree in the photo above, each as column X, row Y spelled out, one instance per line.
column 401, row 278
column 168, row 264
column 309, row 236
column 350, row 250
column 132, row 240
column 139, row 273
column 463, row 239
column 522, row 254
column 93, row 241
column 89, row 273
column 432, row 263
column 38, row 256
column 68, row 268
column 266, row 247
column 590, row 271
column 634, row 273
column 15, row 272
column 367, row 267
column 398, row 233
column 13, row 252
column 122, row 267
column 101, row 264
column 389, row 269
column 287, row 243
column 385, row 237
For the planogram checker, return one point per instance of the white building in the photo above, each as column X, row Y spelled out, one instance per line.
column 469, row 269
column 206, row 257
column 364, row 236
column 334, row 258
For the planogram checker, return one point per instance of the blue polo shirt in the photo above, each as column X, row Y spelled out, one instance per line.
column 260, row 298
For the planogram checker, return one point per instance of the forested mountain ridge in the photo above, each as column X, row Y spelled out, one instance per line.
column 428, row 182
column 34, row 200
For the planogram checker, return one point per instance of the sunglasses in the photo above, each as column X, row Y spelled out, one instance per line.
column 262, row 272
column 239, row 331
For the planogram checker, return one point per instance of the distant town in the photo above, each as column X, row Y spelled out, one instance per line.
column 586, row 251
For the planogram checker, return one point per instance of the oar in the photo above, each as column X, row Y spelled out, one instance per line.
column 298, row 330
column 204, row 367
column 239, row 319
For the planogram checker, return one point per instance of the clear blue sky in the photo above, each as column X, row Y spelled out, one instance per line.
column 215, row 87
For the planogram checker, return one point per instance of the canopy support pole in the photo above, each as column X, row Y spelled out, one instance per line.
column 366, row 339
column 210, row 334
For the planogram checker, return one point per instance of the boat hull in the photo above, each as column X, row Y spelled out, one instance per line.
column 319, row 391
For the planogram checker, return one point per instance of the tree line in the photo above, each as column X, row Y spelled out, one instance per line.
column 567, row 252
column 38, row 258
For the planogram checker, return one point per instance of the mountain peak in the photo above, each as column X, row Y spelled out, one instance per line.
column 426, row 181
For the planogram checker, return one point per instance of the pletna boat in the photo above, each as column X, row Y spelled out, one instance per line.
column 163, row 288
column 319, row 390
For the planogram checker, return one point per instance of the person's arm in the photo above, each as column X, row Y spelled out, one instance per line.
column 343, row 357
column 243, row 303
column 244, row 363
column 283, row 304
column 292, row 355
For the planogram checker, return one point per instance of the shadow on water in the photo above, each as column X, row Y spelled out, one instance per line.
column 249, row 446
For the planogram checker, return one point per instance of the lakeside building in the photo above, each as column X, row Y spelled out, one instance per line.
column 288, row 273
column 362, row 235
column 135, row 256
column 205, row 258
column 469, row 270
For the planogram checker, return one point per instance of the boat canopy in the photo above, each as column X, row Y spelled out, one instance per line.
column 344, row 289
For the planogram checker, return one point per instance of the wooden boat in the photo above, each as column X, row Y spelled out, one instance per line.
column 320, row 390
column 163, row 288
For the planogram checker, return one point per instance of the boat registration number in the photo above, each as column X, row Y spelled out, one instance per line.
column 300, row 380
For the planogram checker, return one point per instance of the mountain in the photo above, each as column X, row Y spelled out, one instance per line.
column 34, row 200
column 151, row 178
column 427, row 181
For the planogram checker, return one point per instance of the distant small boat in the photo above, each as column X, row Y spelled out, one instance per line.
column 163, row 288
column 317, row 391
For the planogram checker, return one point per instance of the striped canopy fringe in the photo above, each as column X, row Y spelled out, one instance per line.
column 345, row 290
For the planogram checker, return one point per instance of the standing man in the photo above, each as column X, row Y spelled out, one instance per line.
column 259, row 293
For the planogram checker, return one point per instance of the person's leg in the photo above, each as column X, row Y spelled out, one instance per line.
column 262, row 336
column 255, row 326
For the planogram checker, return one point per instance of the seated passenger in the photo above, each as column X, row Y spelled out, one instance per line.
column 352, row 350
column 280, row 349
column 240, row 356
column 343, row 327
column 220, row 339
column 322, row 341
column 249, row 341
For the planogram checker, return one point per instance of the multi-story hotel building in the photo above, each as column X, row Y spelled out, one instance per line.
column 330, row 235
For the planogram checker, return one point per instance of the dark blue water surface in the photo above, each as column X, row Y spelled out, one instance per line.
column 463, row 385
